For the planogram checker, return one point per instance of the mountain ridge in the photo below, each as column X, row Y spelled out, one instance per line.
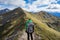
column 45, row 24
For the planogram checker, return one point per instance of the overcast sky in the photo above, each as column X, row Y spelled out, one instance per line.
column 32, row 5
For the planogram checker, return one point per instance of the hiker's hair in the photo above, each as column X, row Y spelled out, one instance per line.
column 29, row 19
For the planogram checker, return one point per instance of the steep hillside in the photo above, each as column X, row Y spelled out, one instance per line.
column 42, row 29
column 10, row 21
column 50, row 20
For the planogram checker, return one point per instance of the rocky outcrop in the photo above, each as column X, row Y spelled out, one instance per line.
column 11, row 21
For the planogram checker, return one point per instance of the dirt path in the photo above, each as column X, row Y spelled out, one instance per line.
column 24, row 36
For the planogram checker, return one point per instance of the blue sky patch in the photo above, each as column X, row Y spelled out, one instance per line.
column 53, row 3
column 29, row 1
column 7, row 5
column 58, row 2
column 41, row 6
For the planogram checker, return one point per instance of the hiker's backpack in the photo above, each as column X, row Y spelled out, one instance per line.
column 30, row 28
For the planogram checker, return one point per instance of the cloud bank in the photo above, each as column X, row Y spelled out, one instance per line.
column 32, row 6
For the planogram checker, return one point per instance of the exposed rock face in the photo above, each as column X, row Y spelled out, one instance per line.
column 9, row 21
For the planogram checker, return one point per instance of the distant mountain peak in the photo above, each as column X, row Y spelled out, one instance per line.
column 4, row 10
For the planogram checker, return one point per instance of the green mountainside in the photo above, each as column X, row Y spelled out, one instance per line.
column 42, row 29
column 47, row 26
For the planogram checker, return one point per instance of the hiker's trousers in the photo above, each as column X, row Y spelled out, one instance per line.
column 29, row 35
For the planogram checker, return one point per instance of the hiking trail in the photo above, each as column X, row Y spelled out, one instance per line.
column 24, row 36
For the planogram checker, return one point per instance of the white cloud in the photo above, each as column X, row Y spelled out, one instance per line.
column 13, row 2
column 1, row 7
column 16, row 3
column 51, row 5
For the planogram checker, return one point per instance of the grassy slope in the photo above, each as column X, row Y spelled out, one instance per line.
column 43, row 30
